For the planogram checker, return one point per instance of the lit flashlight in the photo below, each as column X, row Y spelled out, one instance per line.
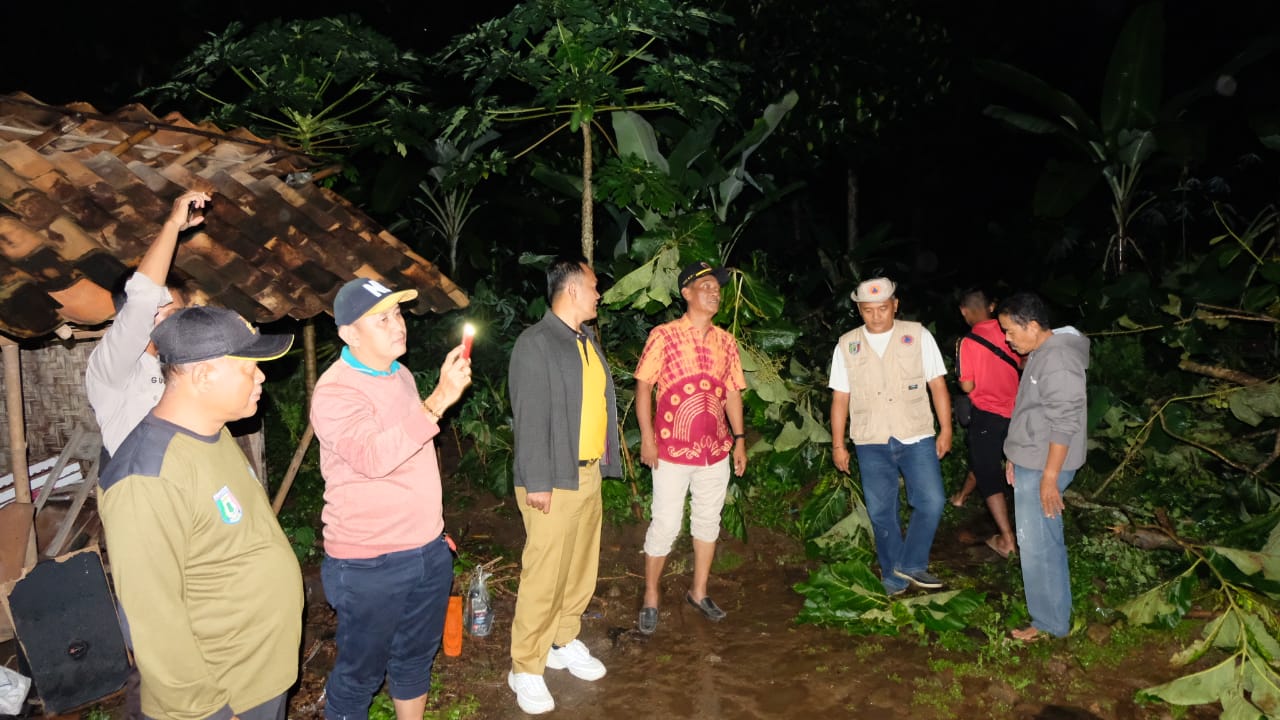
column 468, row 335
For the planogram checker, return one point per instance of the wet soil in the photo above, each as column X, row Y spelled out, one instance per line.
column 758, row 663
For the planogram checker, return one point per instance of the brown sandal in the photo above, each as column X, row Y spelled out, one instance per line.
column 1029, row 634
column 993, row 542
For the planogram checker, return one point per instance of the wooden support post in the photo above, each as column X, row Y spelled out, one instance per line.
column 17, row 434
column 292, row 472
column 17, row 421
column 309, row 376
column 309, row 358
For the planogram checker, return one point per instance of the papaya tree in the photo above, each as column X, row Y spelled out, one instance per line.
column 326, row 86
column 563, row 63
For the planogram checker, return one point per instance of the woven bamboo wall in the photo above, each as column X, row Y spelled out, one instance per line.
column 53, row 397
column 55, row 401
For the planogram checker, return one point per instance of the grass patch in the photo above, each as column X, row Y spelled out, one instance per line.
column 726, row 561
column 868, row 650
column 440, row 705
column 939, row 694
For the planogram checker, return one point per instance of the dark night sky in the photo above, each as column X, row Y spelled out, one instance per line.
column 968, row 170
column 100, row 53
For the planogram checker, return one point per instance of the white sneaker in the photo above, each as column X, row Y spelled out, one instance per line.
column 577, row 659
column 531, row 693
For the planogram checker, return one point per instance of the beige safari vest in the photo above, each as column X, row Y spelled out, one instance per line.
column 888, row 397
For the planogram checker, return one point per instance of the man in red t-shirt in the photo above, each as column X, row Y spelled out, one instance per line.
column 989, row 373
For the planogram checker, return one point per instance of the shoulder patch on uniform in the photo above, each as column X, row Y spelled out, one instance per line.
column 228, row 506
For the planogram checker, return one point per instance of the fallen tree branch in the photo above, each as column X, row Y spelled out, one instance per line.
column 1236, row 376
column 1275, row 453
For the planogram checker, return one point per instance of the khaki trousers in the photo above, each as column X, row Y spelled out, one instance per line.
column 558, row 570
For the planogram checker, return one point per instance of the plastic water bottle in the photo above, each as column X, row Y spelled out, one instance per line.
column 479, row 611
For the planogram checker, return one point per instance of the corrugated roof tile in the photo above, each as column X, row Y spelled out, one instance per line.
column 82, row 194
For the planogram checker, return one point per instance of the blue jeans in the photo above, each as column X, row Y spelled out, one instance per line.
column 880, row 466
column 390, row 621
column 1043, row 552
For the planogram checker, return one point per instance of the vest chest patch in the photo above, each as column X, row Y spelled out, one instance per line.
column 854, row 347
column 908, row 339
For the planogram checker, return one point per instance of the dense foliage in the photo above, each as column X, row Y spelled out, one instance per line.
column 1167, row 254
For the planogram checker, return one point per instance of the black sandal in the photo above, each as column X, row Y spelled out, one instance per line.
column 707, row 607
column 648, row 620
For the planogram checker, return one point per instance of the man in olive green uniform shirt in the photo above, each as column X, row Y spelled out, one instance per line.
column 207, row 579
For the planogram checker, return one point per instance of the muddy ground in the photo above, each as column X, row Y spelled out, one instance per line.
column 758, row 663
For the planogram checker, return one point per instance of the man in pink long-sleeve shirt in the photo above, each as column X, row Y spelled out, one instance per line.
column 387, row 569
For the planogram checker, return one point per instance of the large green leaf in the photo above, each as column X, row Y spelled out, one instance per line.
column 1228, row 635
column 1131, row 93
column 1026, row 122
column 566, row 184
column 731, row 516
column 757, row 296
column 1055, row 101
column 629, row 285
column 1263, row 686
column 1226, row 566
column 1235, row 707
column 1272, row 545
column 692, row 144
column 1162, row 605
column 635, row 136
column 823, row 511
column 1198, row 688
column 854, row 531
column 732, row 186
column 1261, row 638
column 809, row 431
column 1253, row 403
column 1134, row 146
column 1251, row 562
column 944, row 611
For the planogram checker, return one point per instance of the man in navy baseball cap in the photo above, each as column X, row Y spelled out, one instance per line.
column 362, row 296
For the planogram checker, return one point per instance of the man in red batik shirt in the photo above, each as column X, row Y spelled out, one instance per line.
column 696, row 432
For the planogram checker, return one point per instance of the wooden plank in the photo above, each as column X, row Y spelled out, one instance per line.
column 71, row 448
column 16, row 523
column 59, row 541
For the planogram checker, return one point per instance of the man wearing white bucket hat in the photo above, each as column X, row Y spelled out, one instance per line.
column 884, row 374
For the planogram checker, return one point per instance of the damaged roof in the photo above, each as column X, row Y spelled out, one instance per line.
column 82, row 194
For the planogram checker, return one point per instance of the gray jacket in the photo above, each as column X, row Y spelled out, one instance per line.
column 545, row 382
column 1052, row 405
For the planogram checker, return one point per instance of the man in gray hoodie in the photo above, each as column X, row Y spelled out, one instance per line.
column 1045, row 446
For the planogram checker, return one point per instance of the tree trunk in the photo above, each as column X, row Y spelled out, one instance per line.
column 851, row 219
column 588, row 214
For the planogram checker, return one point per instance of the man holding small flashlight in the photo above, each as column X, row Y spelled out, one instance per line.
column 388, row 568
